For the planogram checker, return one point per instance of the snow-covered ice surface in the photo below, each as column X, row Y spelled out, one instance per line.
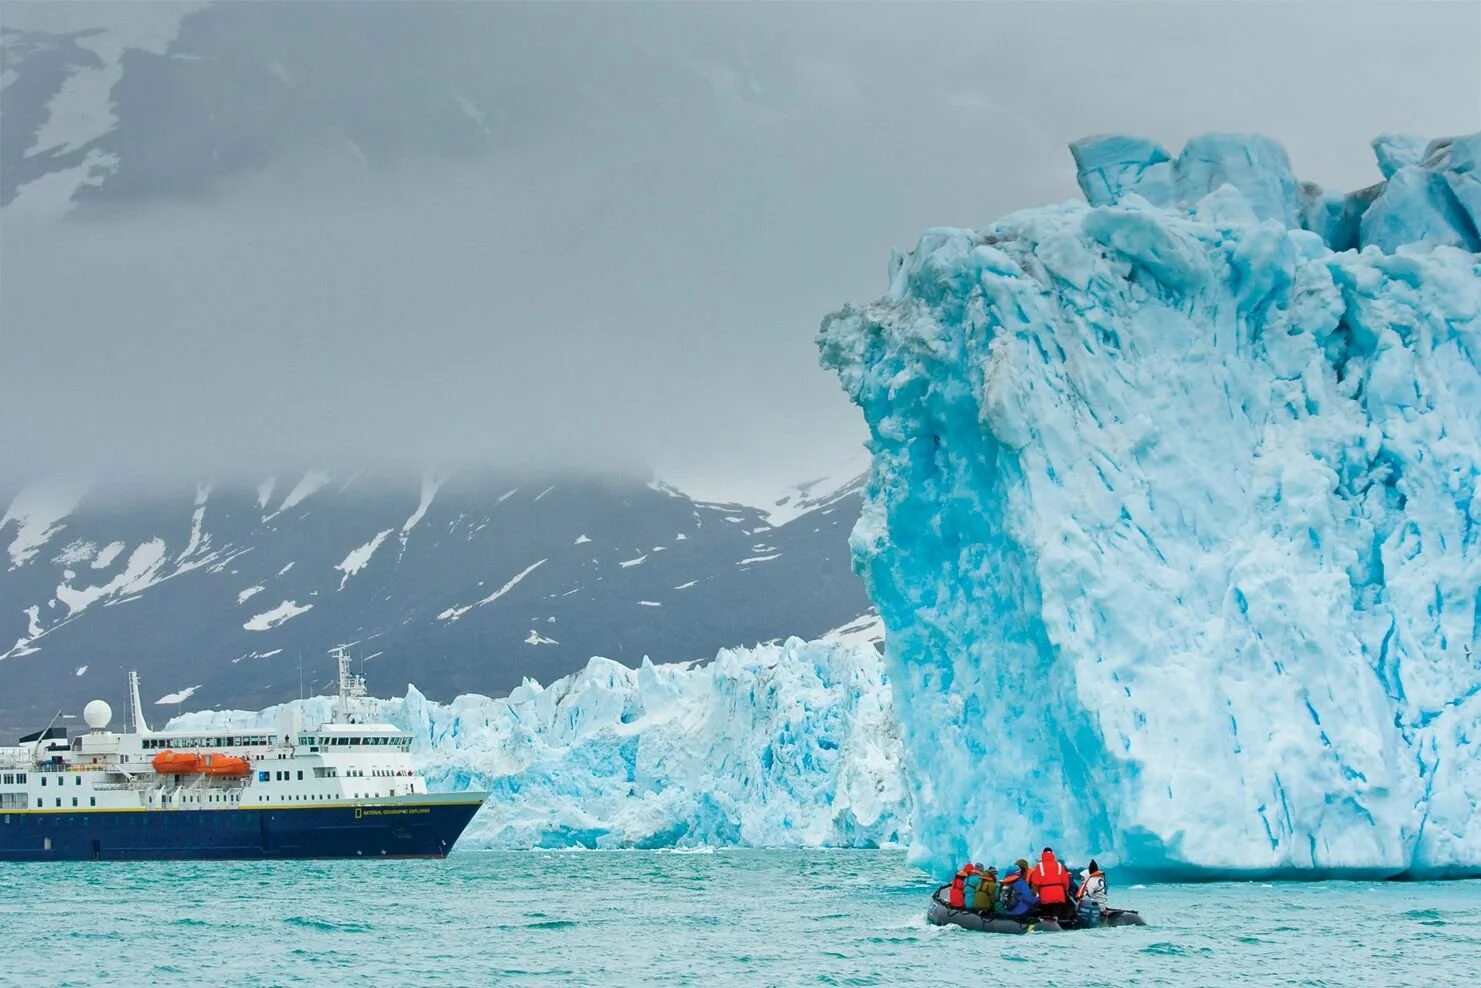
column 790, row 745
column 1174, row 517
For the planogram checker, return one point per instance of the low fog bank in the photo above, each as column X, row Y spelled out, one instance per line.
column 540, row 236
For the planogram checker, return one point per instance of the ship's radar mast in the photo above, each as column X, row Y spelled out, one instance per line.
column 351, row 687
column 136, row 709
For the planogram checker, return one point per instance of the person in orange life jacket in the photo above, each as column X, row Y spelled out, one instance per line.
column 956, row 894
column 1022, row 866
column 1052, row 882
column 1016, row 898
column 1093, row 888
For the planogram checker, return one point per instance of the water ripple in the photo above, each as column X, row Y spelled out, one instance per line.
column 616, row 919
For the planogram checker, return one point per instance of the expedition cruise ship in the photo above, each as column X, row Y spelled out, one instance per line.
column 343, row 789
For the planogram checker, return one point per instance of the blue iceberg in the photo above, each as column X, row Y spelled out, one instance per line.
column 1174, row 519
column 785, row 745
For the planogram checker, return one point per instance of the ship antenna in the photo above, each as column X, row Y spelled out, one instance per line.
column 351, row 686
column 136, row 709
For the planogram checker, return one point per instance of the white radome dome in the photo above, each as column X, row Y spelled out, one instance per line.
column 97, row 714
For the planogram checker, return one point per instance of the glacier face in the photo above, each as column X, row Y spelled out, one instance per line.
column 1174, row 520
column 789, row 745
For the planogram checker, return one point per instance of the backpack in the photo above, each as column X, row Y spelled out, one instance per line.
column 1008, row 896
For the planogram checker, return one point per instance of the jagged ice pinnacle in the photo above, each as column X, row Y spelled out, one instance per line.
column 1174, row 520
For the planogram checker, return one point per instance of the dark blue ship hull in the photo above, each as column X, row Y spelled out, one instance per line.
column 409, row 829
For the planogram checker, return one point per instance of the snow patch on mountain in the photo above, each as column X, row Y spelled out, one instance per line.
column 430, row 485
column 81, row 111
column 38, row 513
column 268, row 620
column 453, row 613
column 107, row 554
column 867, row 629
column 359, row 557
column 145, row 567
column 180, row 696
column 312, row 481
column 197, row 523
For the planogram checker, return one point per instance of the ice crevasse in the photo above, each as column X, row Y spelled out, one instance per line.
column 783, row 745
column 1174, row 518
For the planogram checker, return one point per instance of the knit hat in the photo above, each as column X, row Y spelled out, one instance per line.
column 1093, row 865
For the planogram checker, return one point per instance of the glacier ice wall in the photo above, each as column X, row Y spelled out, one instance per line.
column 1174, row 520
column 789, row 745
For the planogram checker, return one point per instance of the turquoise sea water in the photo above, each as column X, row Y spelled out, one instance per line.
column 664, row 918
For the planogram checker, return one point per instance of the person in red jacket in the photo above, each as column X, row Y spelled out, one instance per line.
column 1052, row 881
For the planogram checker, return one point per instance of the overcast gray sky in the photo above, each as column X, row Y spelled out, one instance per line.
column 578, row 234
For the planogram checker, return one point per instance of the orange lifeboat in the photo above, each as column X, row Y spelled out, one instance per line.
column 176, row 762
column 229, row 766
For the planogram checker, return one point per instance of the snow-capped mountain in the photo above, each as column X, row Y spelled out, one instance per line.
column 219, row 595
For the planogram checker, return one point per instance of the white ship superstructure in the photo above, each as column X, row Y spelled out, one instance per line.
column 347, row 763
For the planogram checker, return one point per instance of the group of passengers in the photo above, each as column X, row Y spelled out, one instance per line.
column 1046, row 889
